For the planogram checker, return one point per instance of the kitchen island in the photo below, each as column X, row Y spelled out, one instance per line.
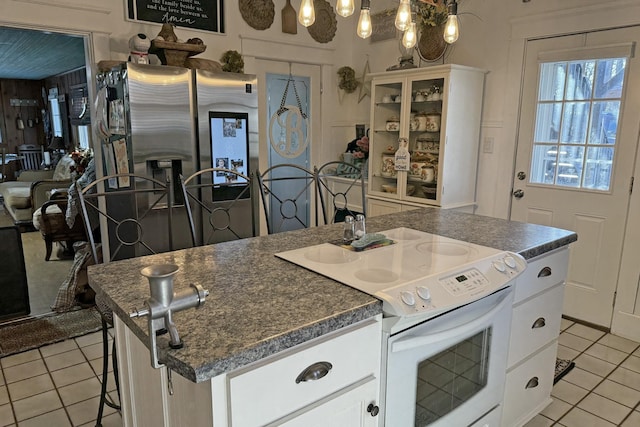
column 260, row 306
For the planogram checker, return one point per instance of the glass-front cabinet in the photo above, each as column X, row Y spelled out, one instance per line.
column 435, row 113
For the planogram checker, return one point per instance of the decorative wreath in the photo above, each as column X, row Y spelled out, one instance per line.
column 348, row 81
column 257, row 13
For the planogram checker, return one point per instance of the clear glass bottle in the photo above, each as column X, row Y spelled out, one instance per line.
column 359, row 229
column 348, row 230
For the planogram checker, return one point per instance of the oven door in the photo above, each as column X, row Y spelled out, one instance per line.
column 449, row 371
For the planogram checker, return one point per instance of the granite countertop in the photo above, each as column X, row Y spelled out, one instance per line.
column 260, row 304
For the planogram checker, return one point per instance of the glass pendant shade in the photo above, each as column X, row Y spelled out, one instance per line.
column 403, row 17
column 364, row 24
column 307, row 14
column 410, row 36
column 345, row 8
column 451, row 31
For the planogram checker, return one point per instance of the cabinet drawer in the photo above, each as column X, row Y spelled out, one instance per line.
column 528, row 387
column 542, row 273
column 535, row 323
column 270, row 391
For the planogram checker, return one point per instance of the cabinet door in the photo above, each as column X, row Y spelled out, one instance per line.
column 345, row 410
column 425, row 137
column 389, row 122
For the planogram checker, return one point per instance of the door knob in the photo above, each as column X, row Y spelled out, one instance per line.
column 521, row 175
column 373, row 409
column 518, row 194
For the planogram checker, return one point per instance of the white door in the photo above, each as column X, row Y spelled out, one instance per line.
column 576, row 150
column 297, row 88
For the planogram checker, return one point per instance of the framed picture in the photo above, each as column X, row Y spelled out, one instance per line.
column 198, row 15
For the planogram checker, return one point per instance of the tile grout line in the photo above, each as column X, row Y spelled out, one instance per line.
column 6, row 385
column 557, row 422
column 56, row 388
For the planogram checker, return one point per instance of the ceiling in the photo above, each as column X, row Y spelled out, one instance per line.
column 36, row 55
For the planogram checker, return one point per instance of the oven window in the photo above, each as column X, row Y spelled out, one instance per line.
column 451, row 377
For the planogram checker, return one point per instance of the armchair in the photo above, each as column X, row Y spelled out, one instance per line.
column 53, row 224
column 22, row 197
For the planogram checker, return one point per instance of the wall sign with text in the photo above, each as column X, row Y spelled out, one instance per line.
column 207, row 15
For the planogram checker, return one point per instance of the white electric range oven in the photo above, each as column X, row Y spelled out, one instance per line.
column 447, row 318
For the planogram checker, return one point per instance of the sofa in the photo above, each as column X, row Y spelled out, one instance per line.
column 31, row 190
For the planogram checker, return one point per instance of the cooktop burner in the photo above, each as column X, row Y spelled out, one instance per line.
column 420, row 276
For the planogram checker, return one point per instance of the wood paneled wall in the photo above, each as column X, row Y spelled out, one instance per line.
column 12, row 137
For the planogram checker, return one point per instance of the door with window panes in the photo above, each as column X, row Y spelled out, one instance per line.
column 577, row 143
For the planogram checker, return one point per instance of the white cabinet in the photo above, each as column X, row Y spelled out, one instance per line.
column 316, row 377
column 334, row 378
column 349, row 409
column 437, row 111
column 535, row 326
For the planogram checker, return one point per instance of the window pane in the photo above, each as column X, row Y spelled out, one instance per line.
column 552, row 76
column 580, row 80
column 574, row 122
column 548, row 122
column 452, row 377
column 604, row 122
column 610, row 78
column 597, row 174
column 570, row 166
column 543, row 166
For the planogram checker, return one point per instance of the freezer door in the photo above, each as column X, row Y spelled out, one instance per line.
column 162, row 127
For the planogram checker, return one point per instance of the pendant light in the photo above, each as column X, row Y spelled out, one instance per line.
column 403, row 17
column 345, row 8
column 364, row 22
column 451, row 30
column 410, row 36
column 307, row 13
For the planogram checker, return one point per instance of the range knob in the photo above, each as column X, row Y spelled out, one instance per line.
column 424, row 293
column 510, row 261
column 499, row 265
column 408, row 298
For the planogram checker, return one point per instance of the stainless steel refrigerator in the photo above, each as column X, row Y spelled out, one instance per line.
column 160, row 122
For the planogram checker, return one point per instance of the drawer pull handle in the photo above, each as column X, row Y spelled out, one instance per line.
column 532, row 383
column 314, row 372
column 539, row 323
column 545, row 272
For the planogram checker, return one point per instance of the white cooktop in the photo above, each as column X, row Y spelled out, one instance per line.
column 421, row 275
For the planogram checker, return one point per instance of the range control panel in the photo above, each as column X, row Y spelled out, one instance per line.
column 429, row 296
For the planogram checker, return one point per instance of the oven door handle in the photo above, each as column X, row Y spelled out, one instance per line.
column 412, row 342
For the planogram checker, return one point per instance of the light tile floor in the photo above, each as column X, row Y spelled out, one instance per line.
column 604, row 387
column 56, row 385
column 59, row 384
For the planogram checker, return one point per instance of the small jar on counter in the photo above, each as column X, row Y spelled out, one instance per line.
column 360, row 228
column 348, row 230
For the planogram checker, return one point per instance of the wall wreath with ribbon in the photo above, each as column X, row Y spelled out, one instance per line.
column 293, row 125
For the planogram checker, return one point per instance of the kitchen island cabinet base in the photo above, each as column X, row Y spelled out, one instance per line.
column 266, row 392
column 533, row 342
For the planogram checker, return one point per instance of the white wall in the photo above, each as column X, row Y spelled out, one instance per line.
column 488, row 29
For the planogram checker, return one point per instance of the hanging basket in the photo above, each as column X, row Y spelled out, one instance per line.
column 431, row 45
